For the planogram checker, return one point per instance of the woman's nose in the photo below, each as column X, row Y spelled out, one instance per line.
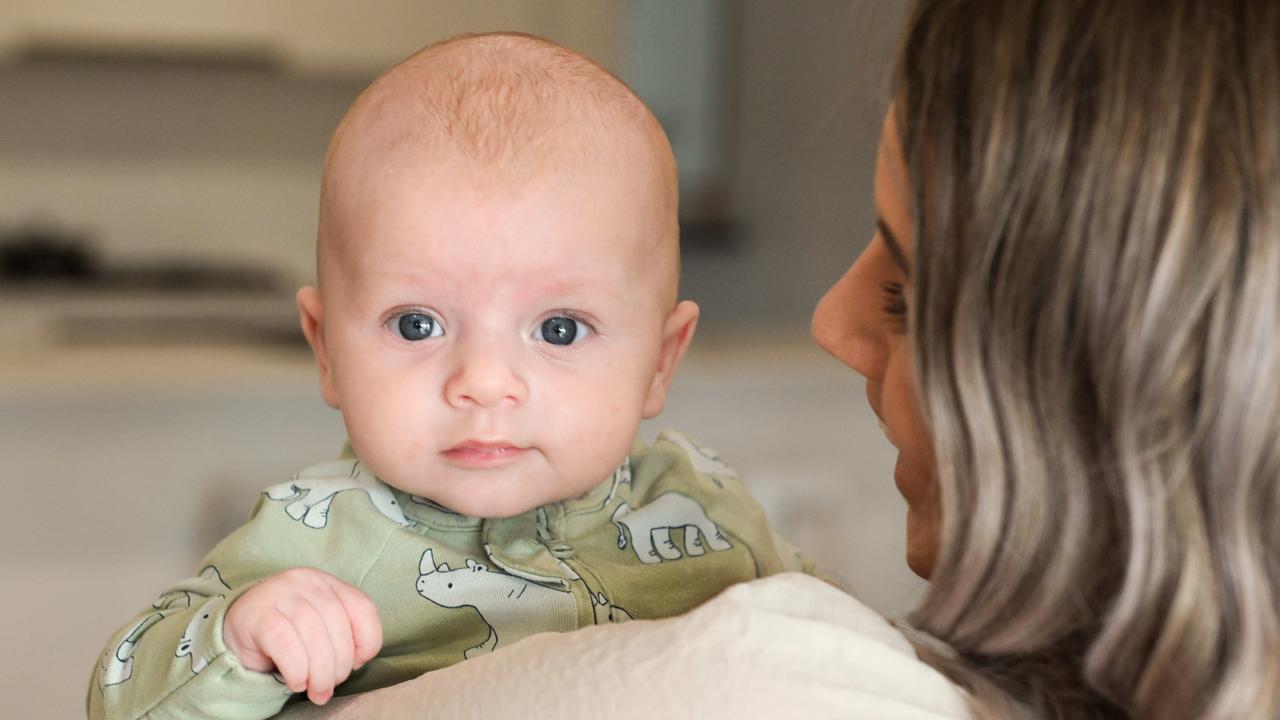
column 847, row 325
column 485, row 375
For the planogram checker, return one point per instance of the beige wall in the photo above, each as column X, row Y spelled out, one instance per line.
column 812, row 90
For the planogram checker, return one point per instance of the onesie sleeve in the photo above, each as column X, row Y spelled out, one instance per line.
column 170, row 661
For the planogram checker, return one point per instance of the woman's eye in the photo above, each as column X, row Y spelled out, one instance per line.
column 895, row 303
column 418, row 326
column 563, row 330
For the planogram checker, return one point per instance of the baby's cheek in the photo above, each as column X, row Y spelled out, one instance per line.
column 603, row 429
column 389, row 426
column 591, row 429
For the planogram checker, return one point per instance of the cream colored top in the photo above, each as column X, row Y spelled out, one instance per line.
column 786, row 646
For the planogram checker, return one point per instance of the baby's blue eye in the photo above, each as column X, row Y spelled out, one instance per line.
column 562, row 330
column 418, row 326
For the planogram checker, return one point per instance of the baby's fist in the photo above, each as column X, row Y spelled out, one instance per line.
column 308, row 625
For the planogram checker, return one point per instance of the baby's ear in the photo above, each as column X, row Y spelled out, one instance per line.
column 311, row 313
column 677, row 333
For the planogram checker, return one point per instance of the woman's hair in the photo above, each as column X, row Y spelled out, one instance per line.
column 1096, row 322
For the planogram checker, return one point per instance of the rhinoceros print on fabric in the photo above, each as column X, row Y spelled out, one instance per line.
column 512, row 607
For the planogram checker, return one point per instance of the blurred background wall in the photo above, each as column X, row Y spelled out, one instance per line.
column 159, row 169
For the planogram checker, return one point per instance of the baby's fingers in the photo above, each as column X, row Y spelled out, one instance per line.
column 277, row 639
column 333, row 614
column 310, row 627
column 366, row 627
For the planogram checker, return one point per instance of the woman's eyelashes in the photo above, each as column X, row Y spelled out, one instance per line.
column 562, row 330
column 415, row 326
column 895, row 304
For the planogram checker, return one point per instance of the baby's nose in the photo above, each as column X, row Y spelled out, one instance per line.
column 485, row 376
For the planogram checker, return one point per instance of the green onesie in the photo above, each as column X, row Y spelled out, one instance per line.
column 671, row 528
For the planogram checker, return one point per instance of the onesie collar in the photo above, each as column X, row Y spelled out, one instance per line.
column 530, row 545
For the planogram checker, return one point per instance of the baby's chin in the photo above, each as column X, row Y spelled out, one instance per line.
column 495, row 510
column 496, row 493
column 488, row 502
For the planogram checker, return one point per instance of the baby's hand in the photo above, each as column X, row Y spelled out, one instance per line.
column 307, row 624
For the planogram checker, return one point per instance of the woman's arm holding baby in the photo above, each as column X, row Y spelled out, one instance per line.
column 786, row 646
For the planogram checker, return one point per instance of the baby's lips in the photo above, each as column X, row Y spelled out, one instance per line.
column 483, row 453
column 481, row 446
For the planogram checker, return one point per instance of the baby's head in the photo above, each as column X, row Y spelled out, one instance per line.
column 498, row 261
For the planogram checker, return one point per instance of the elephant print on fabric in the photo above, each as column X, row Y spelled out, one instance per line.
column 185, row 594
column 651, row 527
column 704, row 460
column 506, row 603
column 193, row 639
column 311, row 493
column 117, row 662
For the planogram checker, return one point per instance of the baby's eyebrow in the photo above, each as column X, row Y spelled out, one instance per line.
column 895, row 247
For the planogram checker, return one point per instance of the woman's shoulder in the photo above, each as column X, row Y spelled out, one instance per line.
column 789, row 645
column 813, row 637
column 796, row 597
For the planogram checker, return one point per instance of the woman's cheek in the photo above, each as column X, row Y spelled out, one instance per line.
column 906, row 421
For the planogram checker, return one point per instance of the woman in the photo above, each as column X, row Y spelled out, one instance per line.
column 1095, row 319
column 1069, row 320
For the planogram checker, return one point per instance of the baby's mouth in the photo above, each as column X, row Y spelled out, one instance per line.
column 473, row 453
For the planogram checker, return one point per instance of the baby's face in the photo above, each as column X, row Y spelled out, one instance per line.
column 495, row 348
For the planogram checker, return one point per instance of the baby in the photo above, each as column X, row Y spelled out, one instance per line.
column 495, row 314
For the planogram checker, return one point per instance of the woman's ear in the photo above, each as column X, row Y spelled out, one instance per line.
column 311, row 313
column 677, row 333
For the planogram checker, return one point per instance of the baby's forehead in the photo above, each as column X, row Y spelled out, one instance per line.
column 578, row 211
column 513, row 273
column 568, row 237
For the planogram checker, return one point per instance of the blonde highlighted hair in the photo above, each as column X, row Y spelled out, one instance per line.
column 1096, row 320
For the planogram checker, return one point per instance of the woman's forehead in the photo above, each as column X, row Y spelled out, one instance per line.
column 892, row 191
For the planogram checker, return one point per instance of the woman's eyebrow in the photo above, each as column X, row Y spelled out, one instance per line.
column 895, row 248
